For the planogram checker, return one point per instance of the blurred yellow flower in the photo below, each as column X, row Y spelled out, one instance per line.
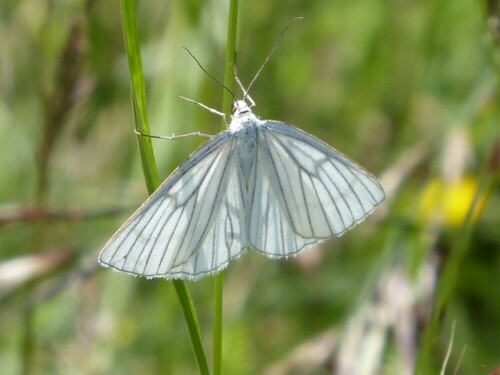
column 450, row 202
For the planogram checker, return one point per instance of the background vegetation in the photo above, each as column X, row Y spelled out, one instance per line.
column 408, row 89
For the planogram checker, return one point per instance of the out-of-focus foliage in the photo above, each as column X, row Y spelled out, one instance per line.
column 408, row 89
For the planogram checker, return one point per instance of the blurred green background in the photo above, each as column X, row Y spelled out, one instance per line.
column 407, row 89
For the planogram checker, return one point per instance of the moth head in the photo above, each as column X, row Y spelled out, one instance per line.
column 240, row 107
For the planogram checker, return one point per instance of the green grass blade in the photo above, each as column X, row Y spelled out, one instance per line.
column 149, row 164
column 227, row 103
column 451, row 273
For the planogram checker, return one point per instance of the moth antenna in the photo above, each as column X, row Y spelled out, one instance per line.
column 210, row 75
column 269, row 55
column 237, row 79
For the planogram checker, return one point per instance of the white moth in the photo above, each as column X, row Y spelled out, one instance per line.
column 262, row 184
